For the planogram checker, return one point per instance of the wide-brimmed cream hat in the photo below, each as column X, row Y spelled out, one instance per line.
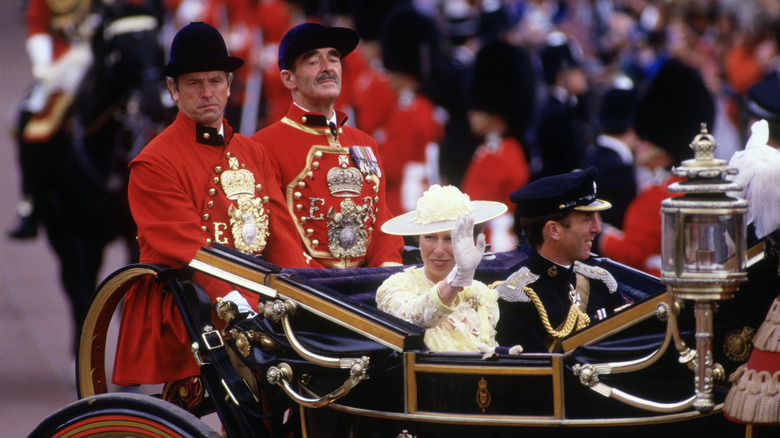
column 438, row 209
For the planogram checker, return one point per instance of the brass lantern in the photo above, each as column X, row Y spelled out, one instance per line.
column 703, row 247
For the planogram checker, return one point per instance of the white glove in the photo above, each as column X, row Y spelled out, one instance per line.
column 40, row 49
column 241, row 302
column 467, row 254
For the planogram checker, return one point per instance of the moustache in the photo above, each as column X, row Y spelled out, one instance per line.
column 326, row 77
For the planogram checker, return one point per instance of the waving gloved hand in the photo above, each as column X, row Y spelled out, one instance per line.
column 467, row 254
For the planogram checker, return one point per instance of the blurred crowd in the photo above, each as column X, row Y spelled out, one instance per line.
column 490, row 95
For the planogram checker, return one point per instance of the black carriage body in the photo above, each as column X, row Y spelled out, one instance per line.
column 335, row 325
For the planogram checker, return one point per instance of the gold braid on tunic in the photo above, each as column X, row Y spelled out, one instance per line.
column 576, row 316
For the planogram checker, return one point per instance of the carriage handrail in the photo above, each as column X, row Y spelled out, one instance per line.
column 282, row 375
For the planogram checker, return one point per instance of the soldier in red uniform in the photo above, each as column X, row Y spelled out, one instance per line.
column 195, row 184
column 329, row 172
column 501, row 101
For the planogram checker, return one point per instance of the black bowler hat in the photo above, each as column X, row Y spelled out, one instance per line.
column 309, row 36
column 199, row 47
column 559, row 193
column 763, row 98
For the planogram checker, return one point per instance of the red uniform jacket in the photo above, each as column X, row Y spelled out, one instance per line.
column 337, row 205
column 183, row 195
column 411, row 125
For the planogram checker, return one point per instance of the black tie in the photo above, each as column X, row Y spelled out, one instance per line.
column 332, row 127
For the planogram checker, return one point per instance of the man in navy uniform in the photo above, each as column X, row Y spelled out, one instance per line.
column 556, row 291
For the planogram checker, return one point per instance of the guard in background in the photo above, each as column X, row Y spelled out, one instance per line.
column 613, row 152
column 501, row 100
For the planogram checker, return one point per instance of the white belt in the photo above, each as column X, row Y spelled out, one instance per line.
column 138, row 23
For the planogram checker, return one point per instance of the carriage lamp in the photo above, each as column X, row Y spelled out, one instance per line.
column 703, row 247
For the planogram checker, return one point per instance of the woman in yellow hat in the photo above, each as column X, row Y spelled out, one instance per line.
column 459, row 313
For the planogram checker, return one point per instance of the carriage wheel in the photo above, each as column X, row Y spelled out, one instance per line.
column 91, row 359
column 122, row 414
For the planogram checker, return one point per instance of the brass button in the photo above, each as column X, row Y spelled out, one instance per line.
column 218, row 169
column 298, row 207
column 315, row 242
column 265, row 199
column 302, row 185
column 318, row 155
column 309, row 231
column 216, row 180
column 310, row 175
column 206, row 216
column 259, row 187
column 208, row 241
column 297, row 195
column 210, row 204
column 303, row 119
column 212, row 191
column 315, row 165
column 304, row 219
column 206, row 135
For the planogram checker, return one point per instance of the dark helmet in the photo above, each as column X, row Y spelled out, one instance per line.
column 199, row 47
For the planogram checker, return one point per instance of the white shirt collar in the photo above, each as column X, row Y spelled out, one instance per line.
column 616, row 145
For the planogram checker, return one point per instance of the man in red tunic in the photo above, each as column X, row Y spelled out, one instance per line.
column 195, row 184
column 329, row 172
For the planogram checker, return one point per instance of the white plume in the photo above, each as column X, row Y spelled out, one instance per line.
column 759, row 174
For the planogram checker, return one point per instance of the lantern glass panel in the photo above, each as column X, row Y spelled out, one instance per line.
column 668, row 246
column 713, row 243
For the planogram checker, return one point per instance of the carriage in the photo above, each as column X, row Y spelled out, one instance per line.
column 319, row 359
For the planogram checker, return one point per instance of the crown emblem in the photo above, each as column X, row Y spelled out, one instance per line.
column 344, row 182
column 237, row 182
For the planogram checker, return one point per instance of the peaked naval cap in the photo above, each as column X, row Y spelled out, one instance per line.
column 559, row 193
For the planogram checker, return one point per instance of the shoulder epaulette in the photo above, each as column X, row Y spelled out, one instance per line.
column 596, row 273
column 511, row 289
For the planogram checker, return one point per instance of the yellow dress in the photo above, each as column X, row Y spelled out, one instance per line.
column 467, row 325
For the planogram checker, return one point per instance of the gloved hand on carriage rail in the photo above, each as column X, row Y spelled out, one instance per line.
column 239, row 300
column 467, row 253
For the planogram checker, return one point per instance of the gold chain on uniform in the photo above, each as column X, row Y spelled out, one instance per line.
column 575, row 316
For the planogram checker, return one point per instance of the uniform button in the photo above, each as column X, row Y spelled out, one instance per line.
column 376, row 198
column 297, row 195
column 298, row 207
column 315, row 165
column 315, row 242
column 206, row 217
column 310, row 175
column 303, row 119
column 218, row 169
column 258, row 187
column 216, row 180
column 265, row 199
column 210, row 204
column 318, row 155
column 304, row 219
column 206, row 135
column 204, row 228
column 309, row 231
column 208, row 241
column 212, row 192
column 302, row 185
